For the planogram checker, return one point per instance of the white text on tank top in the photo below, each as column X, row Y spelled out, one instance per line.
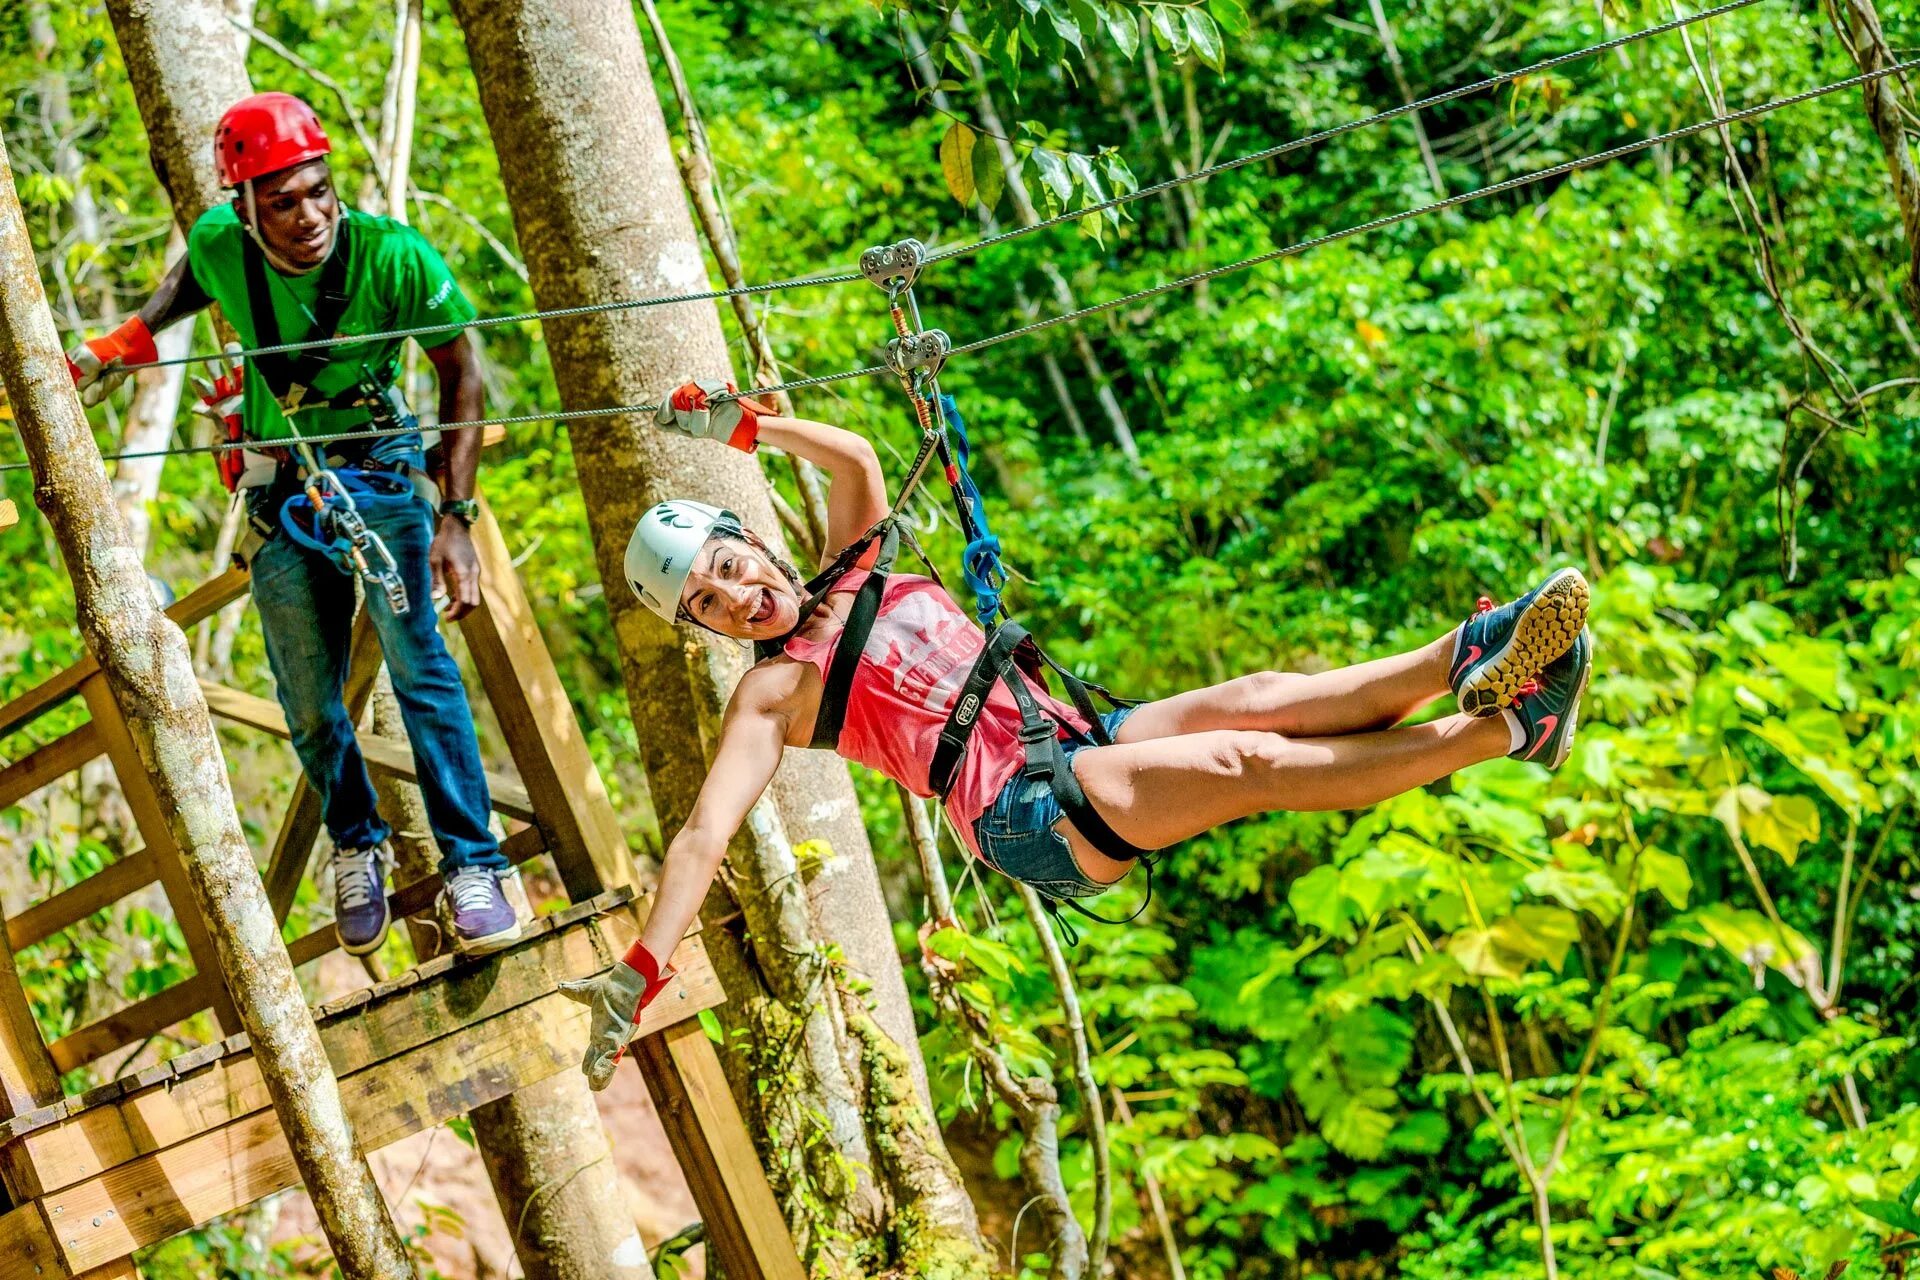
column 926, row 655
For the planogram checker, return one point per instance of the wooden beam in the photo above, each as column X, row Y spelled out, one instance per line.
column 745, row 1229
column 164, row 1109
column 76, row 902
column 136, row 1022
column 293, row 846
column 550, row 752
column 383, row 755
column 28, row 1078
column 48, row 764
column 10, row 514
column 27, row 1246
column 203, row 601
column 155, row 829
column 106, row 1217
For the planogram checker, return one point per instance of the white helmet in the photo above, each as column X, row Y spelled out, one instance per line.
column 660, row 553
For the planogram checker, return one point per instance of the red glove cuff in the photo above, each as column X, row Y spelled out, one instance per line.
column 746, row 436
column 642, row 962
column 131, row 342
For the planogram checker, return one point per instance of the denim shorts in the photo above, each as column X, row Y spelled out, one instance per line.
column 1016, row 833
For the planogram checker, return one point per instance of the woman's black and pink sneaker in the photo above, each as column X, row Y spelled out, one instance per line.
column 1501, row 647
column 1548, row 711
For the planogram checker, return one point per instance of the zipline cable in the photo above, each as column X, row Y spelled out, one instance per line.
column 964, row 250
column 488, row 322
column 1313, row 139
column 1292, row 250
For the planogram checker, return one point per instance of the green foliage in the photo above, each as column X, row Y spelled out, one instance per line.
column 1337, row 453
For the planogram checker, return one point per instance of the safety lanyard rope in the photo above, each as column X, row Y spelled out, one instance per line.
column 964, row 250
column 1292, row 250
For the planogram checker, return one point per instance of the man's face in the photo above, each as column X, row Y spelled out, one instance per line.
column 296, row 208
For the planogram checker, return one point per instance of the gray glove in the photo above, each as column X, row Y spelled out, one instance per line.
column 700, row 409
column 616, row 998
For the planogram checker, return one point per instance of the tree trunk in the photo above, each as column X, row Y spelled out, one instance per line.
column 545, row 1150
column 1858, row 23
column 187, row 65
column 143, row 657
column 597, row 203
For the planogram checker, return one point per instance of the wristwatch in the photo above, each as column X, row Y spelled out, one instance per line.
column 465, row 510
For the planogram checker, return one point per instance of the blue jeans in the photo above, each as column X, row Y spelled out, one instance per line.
column 306, row 615
column 1016, row 833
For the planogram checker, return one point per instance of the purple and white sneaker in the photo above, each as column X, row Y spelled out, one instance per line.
column 1501, row 647
column 483, row 919
column 360, row 914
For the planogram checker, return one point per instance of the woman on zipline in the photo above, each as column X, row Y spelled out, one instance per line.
column 1175, row 768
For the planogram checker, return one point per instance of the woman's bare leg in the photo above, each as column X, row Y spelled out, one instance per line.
column 1357, row 699
column 1160, row 792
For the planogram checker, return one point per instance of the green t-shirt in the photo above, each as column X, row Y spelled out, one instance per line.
column 395, row 280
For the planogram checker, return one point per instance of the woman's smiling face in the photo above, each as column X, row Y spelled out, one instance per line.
column 735, row 588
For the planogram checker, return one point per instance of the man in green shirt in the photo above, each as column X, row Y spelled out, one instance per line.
column 287, row 262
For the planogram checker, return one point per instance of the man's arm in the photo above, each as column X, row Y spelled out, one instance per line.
column 178, row 296
column 100, row 364
column 462, row 399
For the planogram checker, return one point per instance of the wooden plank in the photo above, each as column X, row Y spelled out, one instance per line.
column 76, row 902
column 228, row 1089
column 383, row 755
column 549, row 750
column 134, row 1023
column 137, row 787
column 203, row 601
column 745, row 1230
column 48, row 764
column 10, row 514
column 521, row 845
column 26, row 1245
column 293, row 846
column 28, row 1078
column 107, row 1217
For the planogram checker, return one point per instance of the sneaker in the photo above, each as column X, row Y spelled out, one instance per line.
column 360, row 914
column 483, row 919
column 1499, row 649
column 1548, row 711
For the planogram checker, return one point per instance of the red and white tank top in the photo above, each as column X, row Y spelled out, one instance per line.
column 917, row 657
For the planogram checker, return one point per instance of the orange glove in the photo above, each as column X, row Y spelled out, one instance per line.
column 220, row 402
column 96, row 364
column 713, row 409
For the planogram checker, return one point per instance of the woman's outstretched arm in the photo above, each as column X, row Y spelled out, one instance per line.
column 751, row 743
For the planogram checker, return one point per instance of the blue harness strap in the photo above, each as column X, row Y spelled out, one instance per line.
column 980, row 562
column 326, row 538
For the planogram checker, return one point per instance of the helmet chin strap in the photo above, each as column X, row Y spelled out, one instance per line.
column 279, row 263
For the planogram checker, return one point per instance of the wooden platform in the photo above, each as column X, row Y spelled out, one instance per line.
column 140, row 1159
column 87, row 1179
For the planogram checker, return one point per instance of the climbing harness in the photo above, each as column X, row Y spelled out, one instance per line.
column 1010, row 656
column 328, row 497
column 1049, row 322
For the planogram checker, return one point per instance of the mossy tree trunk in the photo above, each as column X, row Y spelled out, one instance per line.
column 598, row 206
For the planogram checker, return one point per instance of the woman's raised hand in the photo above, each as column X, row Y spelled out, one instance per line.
column 711, row 409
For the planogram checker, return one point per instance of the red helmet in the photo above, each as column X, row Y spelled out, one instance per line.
column 265, row 134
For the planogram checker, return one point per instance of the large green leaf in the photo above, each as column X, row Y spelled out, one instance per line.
column 1508, row 947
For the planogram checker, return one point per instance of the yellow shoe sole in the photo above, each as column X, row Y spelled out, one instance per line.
column 1544, row 632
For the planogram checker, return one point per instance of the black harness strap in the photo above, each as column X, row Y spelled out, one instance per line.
column 289, row 374
column 853, row 642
